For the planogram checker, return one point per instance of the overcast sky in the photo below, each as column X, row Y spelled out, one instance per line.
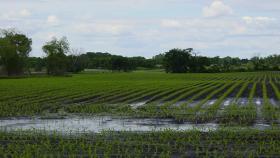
column 147, row 27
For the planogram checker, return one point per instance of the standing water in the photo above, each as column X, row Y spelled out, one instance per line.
column 100, row 123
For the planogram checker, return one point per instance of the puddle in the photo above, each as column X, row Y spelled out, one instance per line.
column 242, row 101
column 226, row 102
column 193, row 104
column 179, row 103
column 274, row 102
column 137, row 105
column 209, row 103
column 98, row 124
column 160, row 104
column 258, row 101
column 261, row 126
column 260, row 121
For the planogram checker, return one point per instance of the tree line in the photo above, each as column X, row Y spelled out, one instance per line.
column 77, row 62
column 60, row 59
column 185, row 60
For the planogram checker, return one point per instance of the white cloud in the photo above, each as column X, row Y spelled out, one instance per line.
column 257, row 5
column 104, row 27
column 258, row 20
column 52, row 20
column 51, row 35
column 45, row 36
column 147, row 27
column 171, row 23
column 238, row 29
column 217, row 8
column 15, row 15
column 24, row 13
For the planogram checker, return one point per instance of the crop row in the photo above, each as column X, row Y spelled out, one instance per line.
column 221, row 143
column 241, row 98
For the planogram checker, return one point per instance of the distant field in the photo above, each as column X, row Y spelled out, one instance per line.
column 237, row 115
column 241, row 98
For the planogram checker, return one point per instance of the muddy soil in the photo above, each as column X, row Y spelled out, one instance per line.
column 221, row 92
column 175, row 95
column 235, row 91
column 145, row 97
column 242, row 102
column 270, row 92
column 258, row 93
column 192, row 94
column 246, row 92
column 158, row 97
column 121, row 100
column 226, row 103
column 82, row 100
column 205, row 94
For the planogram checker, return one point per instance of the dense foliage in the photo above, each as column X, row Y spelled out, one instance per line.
column 177, row 61
column 171, row 63
column 56, row 51
column 184, row 60
column 100, row 60
column 14, row 51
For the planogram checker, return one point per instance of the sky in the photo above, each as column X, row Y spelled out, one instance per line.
column 237, row 28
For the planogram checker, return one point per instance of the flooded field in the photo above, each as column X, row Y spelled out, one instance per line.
column 98, row 124
column 225, row 103
column 141, row 115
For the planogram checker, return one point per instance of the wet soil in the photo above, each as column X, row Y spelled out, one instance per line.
column 246, row 92
column 174, row 96
column 145, row 97
column 235, row 91
column 158, row 97
column 258, row 92
column 270, row 92
column 221, row 92
column 205, row 94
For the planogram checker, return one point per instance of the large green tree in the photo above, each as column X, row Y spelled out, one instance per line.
column 14, row 51
column 77, row 61
column 56, row 59
column 120, row 63
column 177, row 60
